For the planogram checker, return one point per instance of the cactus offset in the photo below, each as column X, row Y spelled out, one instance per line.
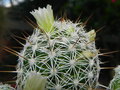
column 115, row 82
column 6, row 87
column 62, row 51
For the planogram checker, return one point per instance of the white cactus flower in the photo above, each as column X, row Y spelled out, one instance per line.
column 35, row 82
column 44, row 17
column 91, row 34
column 88, row 53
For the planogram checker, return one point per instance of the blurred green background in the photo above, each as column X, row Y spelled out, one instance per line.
column 14, row 15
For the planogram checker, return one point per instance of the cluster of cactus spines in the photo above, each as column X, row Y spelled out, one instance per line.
column 62, row 51
column 6, row 87
column 115, row 82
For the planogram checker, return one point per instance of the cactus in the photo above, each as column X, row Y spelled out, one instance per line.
column 62, row 51
column 6, row 87
column 115, row 82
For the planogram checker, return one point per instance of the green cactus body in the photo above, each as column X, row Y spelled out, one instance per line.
column 60, row 51
column 115, row 82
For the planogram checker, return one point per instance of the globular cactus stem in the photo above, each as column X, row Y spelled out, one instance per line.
column 62, row 51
